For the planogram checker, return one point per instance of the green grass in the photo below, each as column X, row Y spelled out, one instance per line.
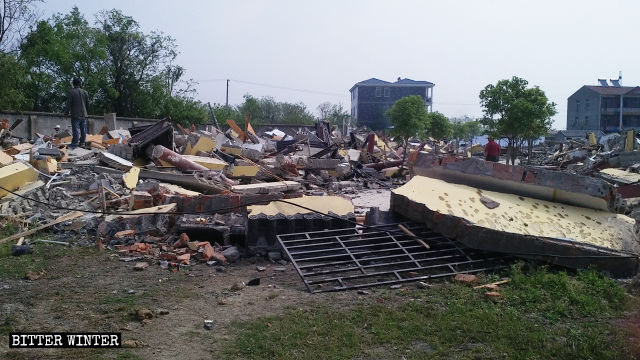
column 545, row 315
column 43, row 257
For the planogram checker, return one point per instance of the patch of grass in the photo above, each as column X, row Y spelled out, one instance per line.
column 7, row 325
column 44, row 256
column 556, row 294
column 123, row 305
column 184, row 292
column 545, row 315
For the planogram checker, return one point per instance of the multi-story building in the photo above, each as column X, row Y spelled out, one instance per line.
column 371, row 98
column 607, row 107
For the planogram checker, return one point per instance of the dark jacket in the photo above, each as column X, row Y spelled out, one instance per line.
column 77, row 103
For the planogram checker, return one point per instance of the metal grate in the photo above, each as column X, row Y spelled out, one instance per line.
column 341, row 259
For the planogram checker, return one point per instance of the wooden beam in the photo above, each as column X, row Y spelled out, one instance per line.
column 408, row 232
column 63, row 218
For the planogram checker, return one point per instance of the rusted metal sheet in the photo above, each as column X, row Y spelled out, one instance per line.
column 160, row 133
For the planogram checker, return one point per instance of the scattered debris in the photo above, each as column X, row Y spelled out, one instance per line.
column 34, row 275
column 143, row 313
column 208, row 325
column 163, row 195
column 141, row 266
column 465, row 278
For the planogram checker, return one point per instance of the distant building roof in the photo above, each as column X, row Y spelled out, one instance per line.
column 373, row 81
column 610, row 90
column 401, row 82
column 406, row 81
column 568, row 134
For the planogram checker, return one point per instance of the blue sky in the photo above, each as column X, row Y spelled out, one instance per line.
column 314, row 51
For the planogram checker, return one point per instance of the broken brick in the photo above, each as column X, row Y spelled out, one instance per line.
column 140, row 247
column 182, row 241
column 494, row 295
column 124, row 233
column 184, row 259
column 209, row 252
column 466, row 278
column 168, row 256
column 142, row 200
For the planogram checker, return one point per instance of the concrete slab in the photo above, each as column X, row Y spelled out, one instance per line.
column 562, row 234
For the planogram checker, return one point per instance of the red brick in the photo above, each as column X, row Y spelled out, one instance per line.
column 182, row 241
column 184, row 259
column 142, row 200
column 494, row 295
column 466, row 278
column 168, row 256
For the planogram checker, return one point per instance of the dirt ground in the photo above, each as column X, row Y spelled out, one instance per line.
column 91, row 291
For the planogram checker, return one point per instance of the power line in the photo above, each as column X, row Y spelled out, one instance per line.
column 277, row 87
column 316, row 91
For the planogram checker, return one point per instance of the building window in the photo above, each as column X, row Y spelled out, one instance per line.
column 586, row 105
column 577, row 105
column 387, row 92
column 378, row 91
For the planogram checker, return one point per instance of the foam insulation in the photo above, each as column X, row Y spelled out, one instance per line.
column 623, row 175
column 16, row 175
column 208, row 162
column 324, row 204
column 522, row 215
column 203, row 144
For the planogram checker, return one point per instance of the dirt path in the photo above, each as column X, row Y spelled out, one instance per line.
column 96, row 292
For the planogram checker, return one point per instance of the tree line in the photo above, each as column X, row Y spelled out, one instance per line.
column 512, row 110
column 124, row 70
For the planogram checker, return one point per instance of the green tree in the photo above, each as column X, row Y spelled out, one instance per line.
column 409, row 118
column 13, row 88
column 133, row 60
column 335, row 114
column 16, row 16
column 439, row 127
column 296, row 114
column 465, row 129
column 58, row 50
column 123, row 69
column 516, row 112
column 471, row 129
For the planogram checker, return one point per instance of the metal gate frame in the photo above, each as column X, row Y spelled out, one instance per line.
column 361, row 257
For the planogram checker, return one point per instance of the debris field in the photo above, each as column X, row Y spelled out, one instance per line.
column 339, row 206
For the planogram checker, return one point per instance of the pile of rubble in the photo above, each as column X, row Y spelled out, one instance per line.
column 145, row 191
column 171, row 196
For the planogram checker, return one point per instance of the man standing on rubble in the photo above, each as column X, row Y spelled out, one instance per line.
column 492, row 150
column 77, row 104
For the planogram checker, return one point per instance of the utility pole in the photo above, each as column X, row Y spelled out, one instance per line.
column 227, row 105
